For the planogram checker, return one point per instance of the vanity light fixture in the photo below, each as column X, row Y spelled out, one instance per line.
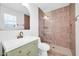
column 25, row 4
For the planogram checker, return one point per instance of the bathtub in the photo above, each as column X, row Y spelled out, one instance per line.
column 60, row 51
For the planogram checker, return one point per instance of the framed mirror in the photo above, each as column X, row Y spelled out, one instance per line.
column 14, row 16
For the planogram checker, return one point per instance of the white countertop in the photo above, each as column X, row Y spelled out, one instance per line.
column 15, row 43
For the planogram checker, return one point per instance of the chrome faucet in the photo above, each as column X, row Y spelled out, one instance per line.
column 20, row 35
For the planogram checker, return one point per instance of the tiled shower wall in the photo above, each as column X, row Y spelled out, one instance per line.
column 58, row 29
column 59, row 25
column 72, row 29
column 41, row 24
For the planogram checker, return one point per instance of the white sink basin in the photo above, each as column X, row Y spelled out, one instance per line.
column 15, row 43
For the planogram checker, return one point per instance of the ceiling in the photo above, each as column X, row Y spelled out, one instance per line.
column 46, row 7
column 16, row 6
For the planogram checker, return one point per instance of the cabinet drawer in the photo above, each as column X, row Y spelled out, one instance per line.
column 29, row 49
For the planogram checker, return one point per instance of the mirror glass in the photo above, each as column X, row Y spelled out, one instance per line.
column 14, row 16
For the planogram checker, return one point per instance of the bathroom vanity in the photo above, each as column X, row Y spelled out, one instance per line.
column 29, row 49
column 21, row 47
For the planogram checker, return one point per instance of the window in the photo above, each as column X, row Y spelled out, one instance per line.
column 9, row 21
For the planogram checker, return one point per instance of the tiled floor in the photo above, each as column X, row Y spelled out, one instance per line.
column 59, row 51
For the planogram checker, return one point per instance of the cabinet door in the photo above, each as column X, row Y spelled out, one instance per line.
column 0, row 53
column 32, row 51
column 29, row 49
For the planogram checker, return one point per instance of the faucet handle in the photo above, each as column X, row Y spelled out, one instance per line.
column 21, row 33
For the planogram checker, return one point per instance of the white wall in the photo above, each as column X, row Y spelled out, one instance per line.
column 33, row 19
column 8, row 35
column 77, row 29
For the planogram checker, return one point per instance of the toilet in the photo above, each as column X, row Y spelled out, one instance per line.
column 43, row 48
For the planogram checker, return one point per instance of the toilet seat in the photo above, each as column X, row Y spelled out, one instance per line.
column 44, row 46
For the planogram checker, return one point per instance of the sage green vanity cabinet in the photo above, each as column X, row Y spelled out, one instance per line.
column 30, row 49
column 0, row 53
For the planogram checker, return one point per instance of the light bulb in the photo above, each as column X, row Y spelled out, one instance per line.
column 45, row 17
column 25, row 4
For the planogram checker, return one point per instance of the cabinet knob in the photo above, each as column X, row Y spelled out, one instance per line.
column 20, row 51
